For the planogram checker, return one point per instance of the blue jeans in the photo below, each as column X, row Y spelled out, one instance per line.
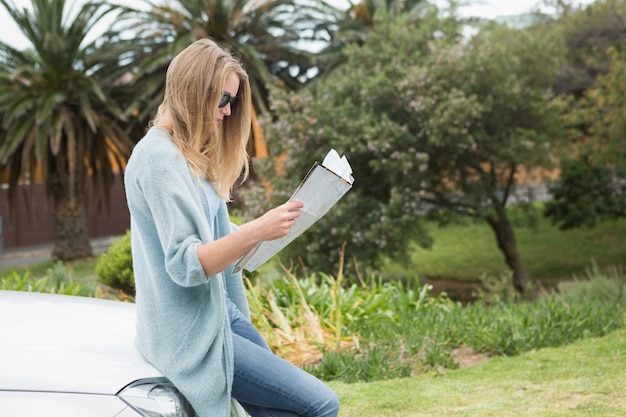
column 269, row 386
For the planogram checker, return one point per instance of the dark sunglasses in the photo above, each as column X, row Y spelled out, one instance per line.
column 227, row 99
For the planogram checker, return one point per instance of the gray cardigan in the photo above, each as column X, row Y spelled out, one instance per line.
column 182, row 322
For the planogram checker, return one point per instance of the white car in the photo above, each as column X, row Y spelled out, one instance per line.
column 66, row 356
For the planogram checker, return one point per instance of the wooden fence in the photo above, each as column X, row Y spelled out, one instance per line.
column 31, row 223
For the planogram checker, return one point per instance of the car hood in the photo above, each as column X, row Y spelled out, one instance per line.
column 68, row 344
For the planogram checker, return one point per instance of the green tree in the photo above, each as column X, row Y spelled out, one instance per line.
column 585, row 194
column 587, row 35
column 591, row 87
column 272, row 38
column 61, row 117
column 358, row 19
column 592, row 186
column 430, row 125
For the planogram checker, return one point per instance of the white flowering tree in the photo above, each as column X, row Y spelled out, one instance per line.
column 431, row 126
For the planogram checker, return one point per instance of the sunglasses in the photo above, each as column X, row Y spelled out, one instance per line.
column 227, row 99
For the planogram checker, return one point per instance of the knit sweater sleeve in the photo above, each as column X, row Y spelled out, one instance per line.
column 168, row 206
column 234, row 280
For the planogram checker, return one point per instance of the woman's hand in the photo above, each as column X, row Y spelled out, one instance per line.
column 217, row 255
column 277, row 222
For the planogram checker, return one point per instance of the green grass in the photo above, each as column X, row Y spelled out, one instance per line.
column 84, row 270
column 465, row 252
column 583, row 379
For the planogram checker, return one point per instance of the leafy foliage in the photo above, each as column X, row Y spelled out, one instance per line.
column 394, row 329
column 61, row 103
column 57, row 280
column 511, row 329
column 585, row 194
column 272, row 39
column 599, row 284
column 429, row 125
column 587, row 36
column 592, row 186
column 115, row 267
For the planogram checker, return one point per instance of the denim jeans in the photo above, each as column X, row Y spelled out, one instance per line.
column 269, row 386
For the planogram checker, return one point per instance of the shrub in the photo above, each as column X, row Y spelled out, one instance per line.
column 605, row 285
column 392, row 329
column 115, row 267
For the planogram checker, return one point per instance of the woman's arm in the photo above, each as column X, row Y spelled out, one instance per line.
column 218, row 255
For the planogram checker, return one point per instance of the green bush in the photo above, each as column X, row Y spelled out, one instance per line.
column 513, row 328
column 607, row 285
column 115, row 267
column 402, row 330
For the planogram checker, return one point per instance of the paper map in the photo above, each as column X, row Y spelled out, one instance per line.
column 321, row 189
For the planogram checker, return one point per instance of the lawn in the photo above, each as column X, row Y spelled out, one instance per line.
column 583, row 379
column 464, row 252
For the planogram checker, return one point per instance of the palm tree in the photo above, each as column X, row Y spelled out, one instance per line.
column 61, row 118
column 273, row 38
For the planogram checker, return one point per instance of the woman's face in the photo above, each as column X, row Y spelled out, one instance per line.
column 231, row 86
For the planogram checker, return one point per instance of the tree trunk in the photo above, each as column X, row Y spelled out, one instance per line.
column 71, row 241
column 505, row 237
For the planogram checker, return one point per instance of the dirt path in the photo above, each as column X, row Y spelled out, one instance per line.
column 462, row 291
column 467, row 292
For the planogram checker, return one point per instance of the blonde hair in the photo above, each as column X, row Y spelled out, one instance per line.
column 193, row 88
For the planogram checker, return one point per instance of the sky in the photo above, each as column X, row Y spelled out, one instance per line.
column 492, row 8
column 480, row 8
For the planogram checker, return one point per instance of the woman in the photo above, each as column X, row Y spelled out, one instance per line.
column 192, row 312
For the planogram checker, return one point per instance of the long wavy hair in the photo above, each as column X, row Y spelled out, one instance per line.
column 193, row 88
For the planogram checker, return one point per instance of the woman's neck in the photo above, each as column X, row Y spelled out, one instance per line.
column 164, row 121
